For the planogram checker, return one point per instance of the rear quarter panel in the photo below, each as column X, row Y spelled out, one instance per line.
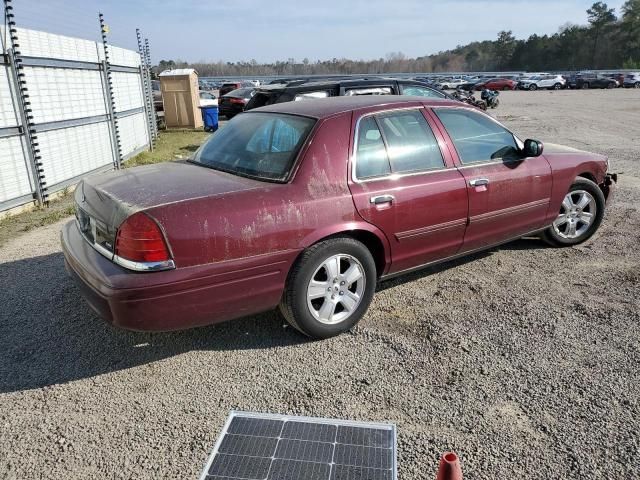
column 275, row 218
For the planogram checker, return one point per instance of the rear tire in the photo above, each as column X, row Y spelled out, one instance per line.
column 329, row 288
column 585, row 86
column 504, row 89
column 557, row 86
column 636, row 85
column 580, row 215
column 610, row 85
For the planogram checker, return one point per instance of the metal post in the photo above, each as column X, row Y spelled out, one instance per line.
column 147, row 92
column 24, row 108
column 147, row 55
column 110, row 97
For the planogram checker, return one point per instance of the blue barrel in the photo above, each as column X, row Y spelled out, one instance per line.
column 210, row 118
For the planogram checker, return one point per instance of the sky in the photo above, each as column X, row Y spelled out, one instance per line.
column 268, row 30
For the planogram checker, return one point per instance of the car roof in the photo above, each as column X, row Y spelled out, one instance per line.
column 327, row 107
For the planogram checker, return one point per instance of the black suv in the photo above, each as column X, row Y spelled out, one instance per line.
column 305, row 89
column 592, row 80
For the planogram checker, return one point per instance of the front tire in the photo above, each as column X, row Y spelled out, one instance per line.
column 329, row 288
column 580, row 215
column 533, row 87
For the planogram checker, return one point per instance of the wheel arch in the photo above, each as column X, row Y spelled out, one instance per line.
column 588, row 176
column 370, row 236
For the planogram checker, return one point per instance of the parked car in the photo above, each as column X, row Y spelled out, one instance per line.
column 618, row 77
column 632, row 80
column 593, row 80
column 230, row 86
column 235, row 101
column 304, row 90
column 308, row 205
column 207, row 99
column 496, row 84
column 452, row 83
column 551, row 82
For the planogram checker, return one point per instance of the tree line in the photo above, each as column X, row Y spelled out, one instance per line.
column 608, row 41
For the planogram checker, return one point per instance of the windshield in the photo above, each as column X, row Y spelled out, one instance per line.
column 259, row 145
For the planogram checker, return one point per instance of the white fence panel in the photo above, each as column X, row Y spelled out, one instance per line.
column 34, row 43
column 64, row 93
column 70, row 152
column 123, row 57
column 69, row 112
column 127, row 91
column 14, row 181
column 8, row 116
column 134, row 135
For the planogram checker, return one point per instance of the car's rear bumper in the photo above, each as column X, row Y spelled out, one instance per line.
column 175, row 299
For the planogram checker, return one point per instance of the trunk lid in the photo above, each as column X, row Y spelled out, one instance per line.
column 104, row 201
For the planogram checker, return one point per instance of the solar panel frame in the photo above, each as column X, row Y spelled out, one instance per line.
column 391, row 428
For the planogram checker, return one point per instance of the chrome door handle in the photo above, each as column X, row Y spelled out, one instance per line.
column 382, row 199
column 479, row 182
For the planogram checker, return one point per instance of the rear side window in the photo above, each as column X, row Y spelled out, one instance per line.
column 310, row 95
column 368, row 91
column 371, row 157
column 476, row 137
column 421, row 92
column 411, row 145
column 397, row 142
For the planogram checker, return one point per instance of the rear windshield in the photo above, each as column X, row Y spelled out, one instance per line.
column 257, row 145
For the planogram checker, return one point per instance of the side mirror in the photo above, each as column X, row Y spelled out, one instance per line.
column 532, row 148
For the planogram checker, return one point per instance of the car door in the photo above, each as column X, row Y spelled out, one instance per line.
column 403, row 180
column 508, row 195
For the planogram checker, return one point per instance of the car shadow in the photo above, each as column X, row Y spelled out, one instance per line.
column 49, row 335
column 526, row 243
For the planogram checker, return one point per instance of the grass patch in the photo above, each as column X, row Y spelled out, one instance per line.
column 171, row 145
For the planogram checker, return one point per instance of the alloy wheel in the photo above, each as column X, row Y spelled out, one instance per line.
column 336, row 289
column 577, row 213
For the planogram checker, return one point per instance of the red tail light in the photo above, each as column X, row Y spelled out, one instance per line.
column 140, row 239
column 238, row 101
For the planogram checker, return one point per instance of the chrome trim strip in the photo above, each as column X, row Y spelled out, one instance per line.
column 389, row 276
column 144, row 266
column 431, row 229
column 508, row 211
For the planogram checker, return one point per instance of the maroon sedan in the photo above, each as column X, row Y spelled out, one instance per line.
column 497, row 84
column 307, row 205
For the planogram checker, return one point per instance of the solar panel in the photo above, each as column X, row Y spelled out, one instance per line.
column 256, row 446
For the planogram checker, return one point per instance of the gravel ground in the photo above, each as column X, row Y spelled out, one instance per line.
column 524, row 359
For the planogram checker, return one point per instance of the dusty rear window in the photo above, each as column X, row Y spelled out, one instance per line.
column 258, row 145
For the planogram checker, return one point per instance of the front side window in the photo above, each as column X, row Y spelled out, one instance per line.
column 476, row 137
column 396, row 142
column 421, row 92
column 260, row 145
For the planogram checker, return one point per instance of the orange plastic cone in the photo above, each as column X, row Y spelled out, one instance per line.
column 449, row 468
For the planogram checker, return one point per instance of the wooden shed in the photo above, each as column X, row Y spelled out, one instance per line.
column 181, row 98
